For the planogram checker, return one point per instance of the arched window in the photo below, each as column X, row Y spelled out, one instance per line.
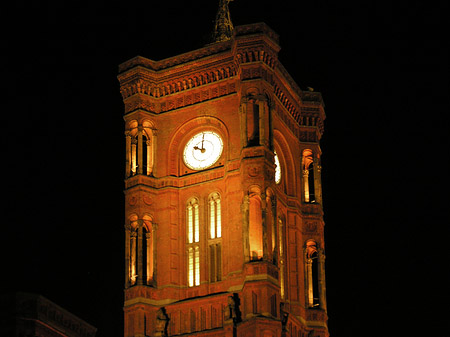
column 148, row 244
column 255, row 228
column 193, row 239
column 312, row 274
column 215, row 235
column 139, row 251
column 215, row 216
column 308, row 176
column 140, row 139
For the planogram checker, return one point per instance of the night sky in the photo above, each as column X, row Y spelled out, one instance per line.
column 383, row 73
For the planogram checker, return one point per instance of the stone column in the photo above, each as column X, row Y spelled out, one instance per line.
column 281, row 252
column 262, row 122
column 127, row 154
column 149, row 159
column 274, row 230
column 140, row 255
column 133, row 156
column 306, row 185
column 318, row 181
column 264, row 227
column 133, row 258
column 243, row 115
column 309, row 283
column 245, row 227
column 140, row 164
column 322, row 285
column 154, row 254
column 127, row 256
column 149, row 259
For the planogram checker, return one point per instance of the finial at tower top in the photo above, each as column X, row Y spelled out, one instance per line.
column 223, row 29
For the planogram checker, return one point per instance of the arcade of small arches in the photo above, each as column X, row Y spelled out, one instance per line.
column 140, row 148
column 139, row 250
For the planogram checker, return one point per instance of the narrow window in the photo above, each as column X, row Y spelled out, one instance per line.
column 215, row 234
column 255, row 228
column 308, row 176
column 196, row 224
column 191, row 266
column 190, row 219
column 193, row 238
column 312, row 274
column 197, row 266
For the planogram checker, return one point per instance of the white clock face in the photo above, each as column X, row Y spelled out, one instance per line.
column 203, row 150
column 277, row 169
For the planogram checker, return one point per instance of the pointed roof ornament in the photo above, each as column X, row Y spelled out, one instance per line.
column 223, row 28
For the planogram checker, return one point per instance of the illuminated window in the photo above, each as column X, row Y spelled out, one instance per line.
column 193, row 223
column 308, row 176
column 193, row 238
column 215, row 215
column 312, row 274
column 277, row 169
column 140, row 149
column 215, row 235
column 255, row 228
column 191, row 266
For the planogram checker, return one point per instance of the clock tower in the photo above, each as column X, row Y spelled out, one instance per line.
column 224, row 231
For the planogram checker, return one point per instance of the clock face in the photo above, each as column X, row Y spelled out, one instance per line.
column 203, row 150
column 277, row 169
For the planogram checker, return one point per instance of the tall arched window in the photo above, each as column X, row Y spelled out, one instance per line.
column 215, row 216
column 215, row 237
column 308, row 176
column 255, row 228
column 312, row 273
column 193, row 239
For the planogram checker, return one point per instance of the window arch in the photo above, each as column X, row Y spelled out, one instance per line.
column 193, row 240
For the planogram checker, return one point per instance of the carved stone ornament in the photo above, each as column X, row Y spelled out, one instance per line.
column 147, row 200
column 310, row 227
column 132, row 200
column 253, row 171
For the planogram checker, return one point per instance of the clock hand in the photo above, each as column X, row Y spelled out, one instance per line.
column 202, row 150
column 203, row 139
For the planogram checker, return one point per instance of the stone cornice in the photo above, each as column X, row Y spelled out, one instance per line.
column 35, row 307
column 214, row 71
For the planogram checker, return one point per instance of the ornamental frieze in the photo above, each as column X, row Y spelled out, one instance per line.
column 142, row 82
column 152, row 105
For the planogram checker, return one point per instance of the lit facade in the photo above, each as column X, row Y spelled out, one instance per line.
column 224, row 231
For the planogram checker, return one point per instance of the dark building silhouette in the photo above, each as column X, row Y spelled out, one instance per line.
column 32, row 315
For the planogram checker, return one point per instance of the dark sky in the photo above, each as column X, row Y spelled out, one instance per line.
column 383, row 73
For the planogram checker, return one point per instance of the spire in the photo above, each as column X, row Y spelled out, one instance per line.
column 223, row 28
